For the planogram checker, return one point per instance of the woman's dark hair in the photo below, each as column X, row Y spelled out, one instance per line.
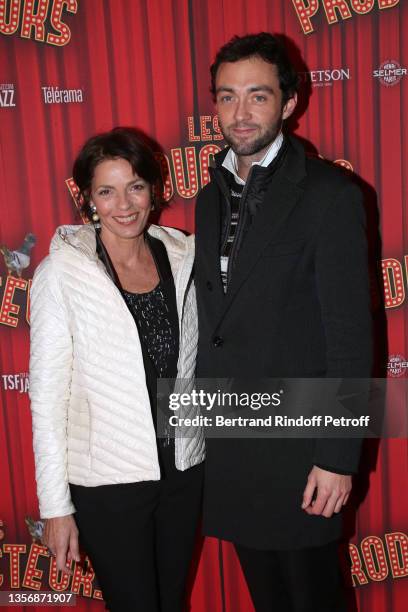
column 266, row 46
column 123, row 143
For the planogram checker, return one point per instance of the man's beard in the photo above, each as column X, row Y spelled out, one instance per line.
column 252, row 147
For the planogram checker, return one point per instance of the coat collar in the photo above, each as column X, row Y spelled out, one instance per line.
column 83, row 239
column 294, row 165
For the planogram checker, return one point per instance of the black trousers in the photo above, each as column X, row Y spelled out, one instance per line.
column 140, row 537
column 307, row 580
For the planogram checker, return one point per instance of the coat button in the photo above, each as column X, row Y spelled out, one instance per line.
column 209, row 285
column 217, row 341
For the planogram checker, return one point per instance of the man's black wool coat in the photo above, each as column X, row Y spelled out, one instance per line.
column 297, row 306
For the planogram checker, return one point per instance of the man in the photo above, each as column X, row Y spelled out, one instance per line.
column 281, row 277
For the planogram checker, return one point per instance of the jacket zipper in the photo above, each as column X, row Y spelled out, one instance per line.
column 182, row 283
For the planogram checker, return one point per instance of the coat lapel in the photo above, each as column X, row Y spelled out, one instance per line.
column 280, row 199
column 210, row 242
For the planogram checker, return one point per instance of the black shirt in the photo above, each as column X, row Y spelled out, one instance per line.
column 152, row 315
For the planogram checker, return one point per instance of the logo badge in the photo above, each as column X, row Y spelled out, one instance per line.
column 7, row 92
column 326, row 77
column 390, row 73
column 55, row 95
column 397, row 364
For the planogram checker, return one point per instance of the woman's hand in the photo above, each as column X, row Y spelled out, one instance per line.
column 61, row 537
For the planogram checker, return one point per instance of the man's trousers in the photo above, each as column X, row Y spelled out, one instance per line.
column 306, row 580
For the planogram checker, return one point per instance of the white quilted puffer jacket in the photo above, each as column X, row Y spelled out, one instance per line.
column 92, row 421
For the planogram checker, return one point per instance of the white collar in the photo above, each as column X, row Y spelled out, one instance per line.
column 230, row 161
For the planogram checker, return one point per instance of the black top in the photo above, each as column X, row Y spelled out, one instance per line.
column 159, row 360
column 152, row 315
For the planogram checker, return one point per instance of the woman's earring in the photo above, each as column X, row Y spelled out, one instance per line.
column 95, row 216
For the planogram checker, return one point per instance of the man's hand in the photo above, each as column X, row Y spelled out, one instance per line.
column 333, row 491
column 61, row 537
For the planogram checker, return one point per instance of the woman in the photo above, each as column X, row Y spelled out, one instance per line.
column 112, row 309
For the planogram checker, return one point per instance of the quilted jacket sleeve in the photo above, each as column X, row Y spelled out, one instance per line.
column 50, row 379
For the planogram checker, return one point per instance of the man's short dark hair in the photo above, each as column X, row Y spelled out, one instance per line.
column 266, row 46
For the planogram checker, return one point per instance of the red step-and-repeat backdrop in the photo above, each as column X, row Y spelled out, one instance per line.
column 71, row 68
